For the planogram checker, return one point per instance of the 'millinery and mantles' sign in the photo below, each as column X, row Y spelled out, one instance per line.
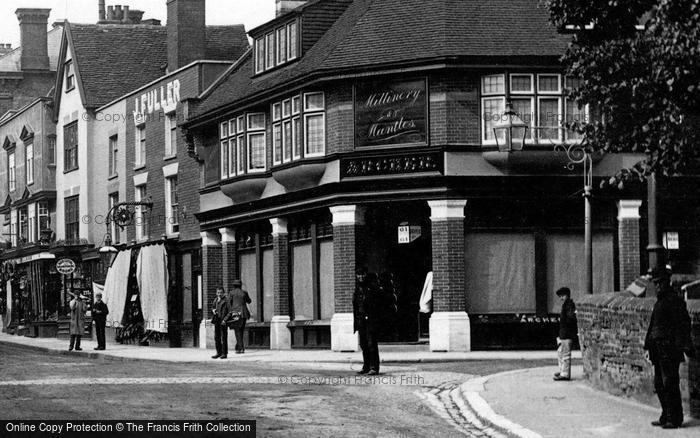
column 388, row 113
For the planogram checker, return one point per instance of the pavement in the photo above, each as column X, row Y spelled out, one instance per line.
column 522, row 403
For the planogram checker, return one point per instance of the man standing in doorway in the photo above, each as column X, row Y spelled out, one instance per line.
column 221, row 310
column 99, row 315
column 668, row 337
column 365, row 305
column 568, row 330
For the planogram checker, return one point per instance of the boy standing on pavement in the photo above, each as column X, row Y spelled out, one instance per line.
column 568, row 330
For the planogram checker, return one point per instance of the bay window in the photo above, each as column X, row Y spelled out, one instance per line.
column 538, row 99
column 256, row 142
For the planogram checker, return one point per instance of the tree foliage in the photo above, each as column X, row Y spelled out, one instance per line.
column 642, row 84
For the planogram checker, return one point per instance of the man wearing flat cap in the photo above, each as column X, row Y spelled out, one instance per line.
column 668, row 337
column 568, row 330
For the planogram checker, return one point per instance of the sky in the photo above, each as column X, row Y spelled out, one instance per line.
column 249, row 12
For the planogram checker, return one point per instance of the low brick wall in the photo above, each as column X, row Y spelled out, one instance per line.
column 612, row 328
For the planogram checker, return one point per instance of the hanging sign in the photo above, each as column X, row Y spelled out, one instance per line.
column 671, row 240
column 390, row 112
column 65, row 266
column 409, row 233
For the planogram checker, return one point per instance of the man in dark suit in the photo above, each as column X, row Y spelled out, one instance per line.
column 239, row 300
column 99, row 315
column 366, row 311
column 568, row 331
column 668, row 337
column 221, row 310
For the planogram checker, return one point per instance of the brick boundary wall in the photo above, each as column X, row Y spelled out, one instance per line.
column 612, row 328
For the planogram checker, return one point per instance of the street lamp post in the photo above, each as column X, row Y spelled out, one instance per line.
column 578, row 154
column 123, row 218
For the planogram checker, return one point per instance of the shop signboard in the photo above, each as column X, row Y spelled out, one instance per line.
column 409, row 233
column 391, row 113
column 65, row 266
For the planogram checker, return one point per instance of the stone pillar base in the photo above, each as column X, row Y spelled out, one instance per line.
column 343, row 337
column 280, row 336
column 450, row 331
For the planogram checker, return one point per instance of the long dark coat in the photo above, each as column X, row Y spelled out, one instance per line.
column 77, row 317
column 239, row 300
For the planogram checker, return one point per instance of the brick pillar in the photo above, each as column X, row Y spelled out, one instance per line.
column 629, row 248
column 280, row 336
column 449, row 323
column 348, row 221
column 229, row 260
column 211, row 279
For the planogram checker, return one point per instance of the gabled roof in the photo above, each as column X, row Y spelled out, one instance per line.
column 380, row 34
column 110, row 60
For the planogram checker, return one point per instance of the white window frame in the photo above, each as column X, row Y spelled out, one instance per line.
column 281, row 47
column 113, row 228
column 170, row 125
column 140, row 152
column 70, row 75
column 586, row 113
column 223, row 158
column 532, row 83
column 483, row 118
column 232, row 156
column 140, row 225
column 12, row 171
column 241, row 150
column 223, row 130
column 560, row 123
column 559, row 90
column 270, row 41
column 169, row 225
column 113, row 142
column 277, row 129
column 530, row 132
column 32, row 227
column 308, row 113
column 250, row 169
column 29, row 163
column 260, row 49
column 292, row 41
column 484, row 93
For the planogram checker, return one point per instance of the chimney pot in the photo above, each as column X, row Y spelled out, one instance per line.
column 101, row 10
column 125, row 15
column 110, row 13
column 118, row 14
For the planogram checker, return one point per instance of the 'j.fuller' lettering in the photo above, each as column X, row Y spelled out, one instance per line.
column 164, row 98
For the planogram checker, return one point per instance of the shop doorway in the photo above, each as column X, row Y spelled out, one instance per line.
column 407, row 262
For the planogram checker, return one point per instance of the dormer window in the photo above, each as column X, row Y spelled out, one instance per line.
column 277, row 47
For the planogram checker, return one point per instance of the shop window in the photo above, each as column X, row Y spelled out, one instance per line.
column 539, row 100
column 113, row 150
column 70, row 144
column 172, row 205
column 29, row 163
column 277, row 47
column 72, row 218
column 12, row 172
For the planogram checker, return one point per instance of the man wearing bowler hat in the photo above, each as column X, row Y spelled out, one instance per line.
column 568, row 330
column 239, row 301
column 668, row 337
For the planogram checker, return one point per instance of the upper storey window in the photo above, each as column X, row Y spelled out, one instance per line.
column 299, row 127
column 540, row 100
column 70, row 76
column 277, row 47
column 243, row 145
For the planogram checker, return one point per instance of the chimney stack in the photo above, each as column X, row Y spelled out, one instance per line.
column 186, row 32
column 101, row 10
column 284, row 6
column 33, row 24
